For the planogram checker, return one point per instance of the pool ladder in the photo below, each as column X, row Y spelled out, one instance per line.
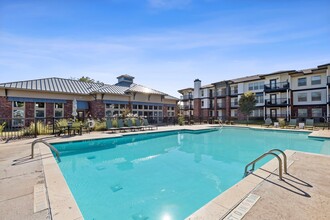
column 48, row 145
column 271, row 152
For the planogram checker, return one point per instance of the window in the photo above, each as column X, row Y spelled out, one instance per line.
column 302, row 97
column 316, row 80
column 256, row 86
column 114, row 109
column 302, row 112
column 202, row 92
column 250, row 86
column 316, row 96
column 202, row 103
column 302, row 81
column 40, row 109
column 58, row 110
column 316, row 112
column 260, row 99
column 18, row 114
column 233, row 113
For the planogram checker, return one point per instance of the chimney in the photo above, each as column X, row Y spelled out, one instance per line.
column 197, row 88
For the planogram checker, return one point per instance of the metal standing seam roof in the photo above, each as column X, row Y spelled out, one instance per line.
column 142, row 89
column 61, row 85
column 170, row 97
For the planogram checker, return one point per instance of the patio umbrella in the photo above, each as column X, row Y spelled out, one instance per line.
column 74, row 108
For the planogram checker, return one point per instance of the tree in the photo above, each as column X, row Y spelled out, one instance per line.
column 247, row 104
column 86, row 79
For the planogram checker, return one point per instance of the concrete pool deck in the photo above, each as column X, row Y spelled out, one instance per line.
column 20, row 175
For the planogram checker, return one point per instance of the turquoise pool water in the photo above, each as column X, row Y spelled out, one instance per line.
column 167, row 175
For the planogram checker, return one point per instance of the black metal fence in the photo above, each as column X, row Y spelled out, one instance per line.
column 17, row 128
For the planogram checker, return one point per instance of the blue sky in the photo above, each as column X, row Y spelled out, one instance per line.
column 164, row 44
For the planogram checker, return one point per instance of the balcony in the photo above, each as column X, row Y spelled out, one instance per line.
column 186, row 97
column 234, row 92
column 234, row 104
column 277, row 102
column 188, row 107
column 221, row 105
column 277, row 87
column 221, row 94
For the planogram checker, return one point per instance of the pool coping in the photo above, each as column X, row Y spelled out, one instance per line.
column 63, row 205
column 223, row 204
column 61, row 201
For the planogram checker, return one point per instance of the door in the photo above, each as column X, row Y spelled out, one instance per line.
column 273, row 99
column 272, row 84
column 273, row 114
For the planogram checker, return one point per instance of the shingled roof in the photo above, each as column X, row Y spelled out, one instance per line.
column 61, row 85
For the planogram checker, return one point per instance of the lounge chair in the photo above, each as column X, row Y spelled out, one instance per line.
column 292, row 123
column 309, row 124
column 130, row 125
column 121, row 125
column 110, row 126
column 146, row 124
column 268, row 122
column 138, row 124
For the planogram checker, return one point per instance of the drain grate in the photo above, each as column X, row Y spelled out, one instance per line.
column 239, row 212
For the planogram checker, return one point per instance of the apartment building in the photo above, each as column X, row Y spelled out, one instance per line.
column 284, row 94
column 24, row 101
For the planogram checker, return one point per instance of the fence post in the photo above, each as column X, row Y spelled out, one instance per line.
column 53, row 125
column 35, row 127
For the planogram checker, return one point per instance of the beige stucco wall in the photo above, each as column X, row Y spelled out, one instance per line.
column 115, row 97
column 294, row 81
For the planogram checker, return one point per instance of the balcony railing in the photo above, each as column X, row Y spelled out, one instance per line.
column 188, row 107
column 187, row 97
column 221, row 94
column 234, row 92
column 277, row 87
column 277, row 102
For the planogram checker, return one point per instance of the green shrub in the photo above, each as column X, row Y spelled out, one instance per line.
column 62, row 123
column 42, row 128
column 2, row 127
column 115, row 123
column 181, row 120
column 100, row 126
column 281, row 122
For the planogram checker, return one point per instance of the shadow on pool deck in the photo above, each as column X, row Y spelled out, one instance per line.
column 304, row 193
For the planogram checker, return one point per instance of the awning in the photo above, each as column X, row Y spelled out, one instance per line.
column 115, row 102
column 82, row 105
column 24, row 99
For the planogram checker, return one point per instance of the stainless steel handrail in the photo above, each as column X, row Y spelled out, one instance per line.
column 48, row 145
column 259, row 158
column 285, row 160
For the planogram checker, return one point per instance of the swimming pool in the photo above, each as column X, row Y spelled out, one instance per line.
column 167, row 175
